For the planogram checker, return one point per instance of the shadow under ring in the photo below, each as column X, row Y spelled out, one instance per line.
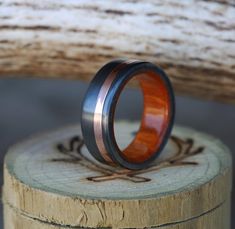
column 99, row 107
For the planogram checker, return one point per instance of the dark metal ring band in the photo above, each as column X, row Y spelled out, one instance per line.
column 99, row 107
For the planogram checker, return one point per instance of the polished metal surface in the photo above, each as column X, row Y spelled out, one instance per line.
column 99, row 106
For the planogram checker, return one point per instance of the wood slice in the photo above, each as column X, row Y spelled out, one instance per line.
column 218, row 218
column 52, row 178
column 192, row 40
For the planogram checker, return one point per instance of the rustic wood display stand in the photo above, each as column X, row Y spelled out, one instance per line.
column 51, row 181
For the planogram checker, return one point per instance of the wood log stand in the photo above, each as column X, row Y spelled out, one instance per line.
column 51, row 181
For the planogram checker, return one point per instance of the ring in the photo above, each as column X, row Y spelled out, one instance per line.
column 98, row 110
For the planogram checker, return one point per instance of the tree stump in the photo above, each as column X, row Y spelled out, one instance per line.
column 51, row 181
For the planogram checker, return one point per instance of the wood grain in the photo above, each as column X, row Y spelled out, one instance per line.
column 71, row 188
column 192, row 40
column 218, row 218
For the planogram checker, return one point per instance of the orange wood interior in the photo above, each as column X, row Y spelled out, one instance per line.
column 154, row 121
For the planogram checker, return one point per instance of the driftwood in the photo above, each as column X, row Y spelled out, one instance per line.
column 194, row 41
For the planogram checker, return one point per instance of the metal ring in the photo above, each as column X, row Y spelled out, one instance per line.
column 99, row 107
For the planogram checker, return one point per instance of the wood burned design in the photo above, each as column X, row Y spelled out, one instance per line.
column 73, row 154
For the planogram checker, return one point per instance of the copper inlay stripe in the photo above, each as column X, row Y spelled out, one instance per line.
column 99, row 109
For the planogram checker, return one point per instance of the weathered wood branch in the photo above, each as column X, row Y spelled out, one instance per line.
column 194, row 41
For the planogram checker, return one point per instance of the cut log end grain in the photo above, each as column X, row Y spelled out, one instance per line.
column 52, row 180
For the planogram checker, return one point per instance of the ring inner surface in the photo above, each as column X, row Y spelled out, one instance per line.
column 155, row 118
